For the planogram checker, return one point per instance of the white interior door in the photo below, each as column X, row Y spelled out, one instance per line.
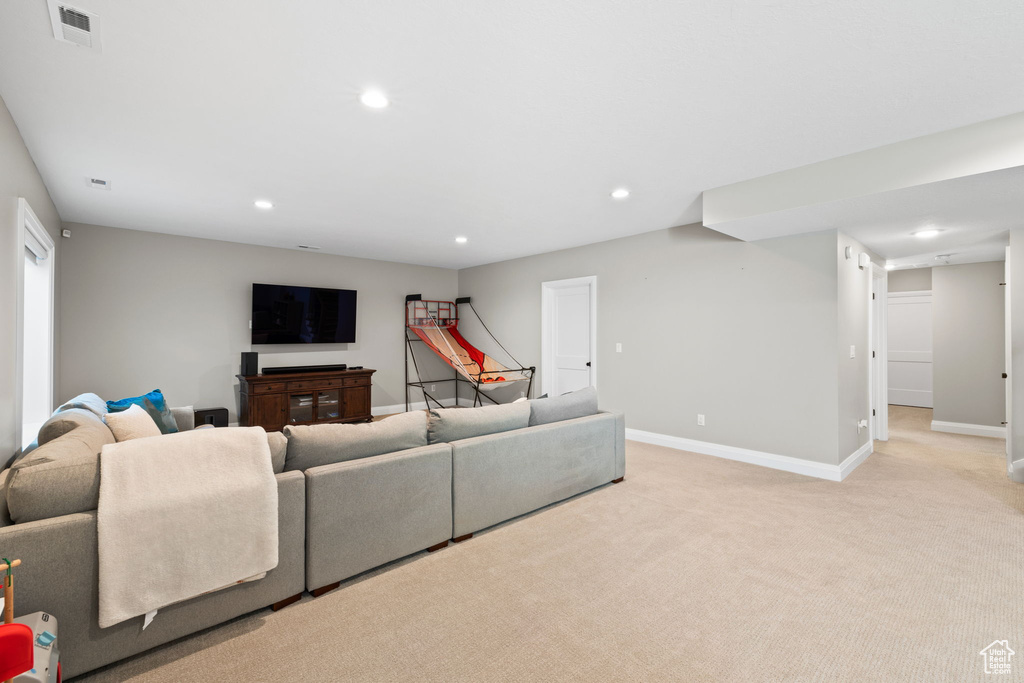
column 568, row 335
column 910, row 349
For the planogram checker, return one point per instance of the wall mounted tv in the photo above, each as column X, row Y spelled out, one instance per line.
column 282, row 314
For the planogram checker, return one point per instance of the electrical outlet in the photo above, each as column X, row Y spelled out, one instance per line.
column 700, row 420
column 618, row 347
column 522, row 394
column 433, row 387
column 853, row 352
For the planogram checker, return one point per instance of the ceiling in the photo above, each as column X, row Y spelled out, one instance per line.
column 974, row 215
column 510, row 123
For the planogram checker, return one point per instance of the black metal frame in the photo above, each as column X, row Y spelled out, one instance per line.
column 479, row 395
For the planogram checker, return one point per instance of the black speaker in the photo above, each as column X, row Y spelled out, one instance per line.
column 218, row 417
column 250, row 364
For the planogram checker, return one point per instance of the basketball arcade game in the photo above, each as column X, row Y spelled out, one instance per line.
column 436, row 325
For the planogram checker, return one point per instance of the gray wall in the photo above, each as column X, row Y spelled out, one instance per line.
column 744, row 333
column 144, row 310
column 853, row 295
column 910, row 280
column 968, row 312
column 18, row 178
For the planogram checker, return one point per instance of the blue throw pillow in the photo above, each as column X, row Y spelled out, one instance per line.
column 154, row 404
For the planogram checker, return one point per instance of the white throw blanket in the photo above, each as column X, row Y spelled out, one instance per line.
column 181, row 515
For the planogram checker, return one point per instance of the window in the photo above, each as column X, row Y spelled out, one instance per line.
column 36, row 313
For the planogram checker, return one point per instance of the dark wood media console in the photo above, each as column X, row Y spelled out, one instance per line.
column 303, row 398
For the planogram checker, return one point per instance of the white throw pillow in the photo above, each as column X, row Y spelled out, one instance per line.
column 134, row 423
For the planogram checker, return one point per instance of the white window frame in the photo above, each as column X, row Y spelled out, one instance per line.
column 35, row 238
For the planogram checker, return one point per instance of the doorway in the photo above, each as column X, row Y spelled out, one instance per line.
column 568, row 335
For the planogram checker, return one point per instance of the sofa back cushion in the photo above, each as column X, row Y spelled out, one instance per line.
column 453, row 424
column 66, row 421
column 5, row 515
column 60, row 477
column 567, row 407
column 278, row 443
column 315, row 445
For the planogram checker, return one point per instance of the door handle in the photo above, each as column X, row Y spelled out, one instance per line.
column 1004, row 375
column 588, row 363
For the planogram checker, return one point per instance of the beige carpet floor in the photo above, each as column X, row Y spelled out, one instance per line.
column 693, row 569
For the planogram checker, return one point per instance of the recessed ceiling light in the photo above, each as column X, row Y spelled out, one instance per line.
column 929, row 232
column 620, row 193
column 374, row 99
column 461, row 240
column 263, row 204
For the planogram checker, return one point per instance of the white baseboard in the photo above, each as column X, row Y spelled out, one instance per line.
column 785, row 463
column 854, row 459
column 968, row 429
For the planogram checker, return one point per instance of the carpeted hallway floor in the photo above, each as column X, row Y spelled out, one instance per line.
column 694, row 568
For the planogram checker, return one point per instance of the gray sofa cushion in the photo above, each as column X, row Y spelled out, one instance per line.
column 278, row 443
column 567, row 407
column 453, row 424
column 363, row 513
column 66, row 421
column 314, row 445
column 498, row 477
column 5, row 515
column 60, row 477
column 184, row 418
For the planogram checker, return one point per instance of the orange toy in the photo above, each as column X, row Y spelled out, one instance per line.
column 16, row 655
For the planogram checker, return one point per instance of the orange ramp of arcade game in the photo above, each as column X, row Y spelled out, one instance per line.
column 436, row 323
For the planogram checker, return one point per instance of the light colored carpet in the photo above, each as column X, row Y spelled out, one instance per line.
column 694, row 568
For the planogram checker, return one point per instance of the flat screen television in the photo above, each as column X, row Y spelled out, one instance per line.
column 282, row 314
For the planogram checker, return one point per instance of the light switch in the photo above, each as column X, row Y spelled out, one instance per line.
column 853, row 352
column 618, row 347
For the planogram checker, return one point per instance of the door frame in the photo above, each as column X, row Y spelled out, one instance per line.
column 878, row 365
column 547, row 297
column 1008, row 357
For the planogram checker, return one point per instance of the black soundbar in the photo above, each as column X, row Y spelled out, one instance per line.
column 287, row 370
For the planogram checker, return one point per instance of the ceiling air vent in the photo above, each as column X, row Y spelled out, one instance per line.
column 99, row 184
column 74, row 25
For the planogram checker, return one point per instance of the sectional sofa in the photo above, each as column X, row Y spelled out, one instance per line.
column 415, row 480
column 351, row 498
column 48, row 519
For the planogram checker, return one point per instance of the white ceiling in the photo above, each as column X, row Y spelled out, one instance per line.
column 973, row 213
column 510, row 122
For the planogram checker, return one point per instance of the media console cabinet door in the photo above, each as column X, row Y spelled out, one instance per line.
column 269, row 411
column 357, row 401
